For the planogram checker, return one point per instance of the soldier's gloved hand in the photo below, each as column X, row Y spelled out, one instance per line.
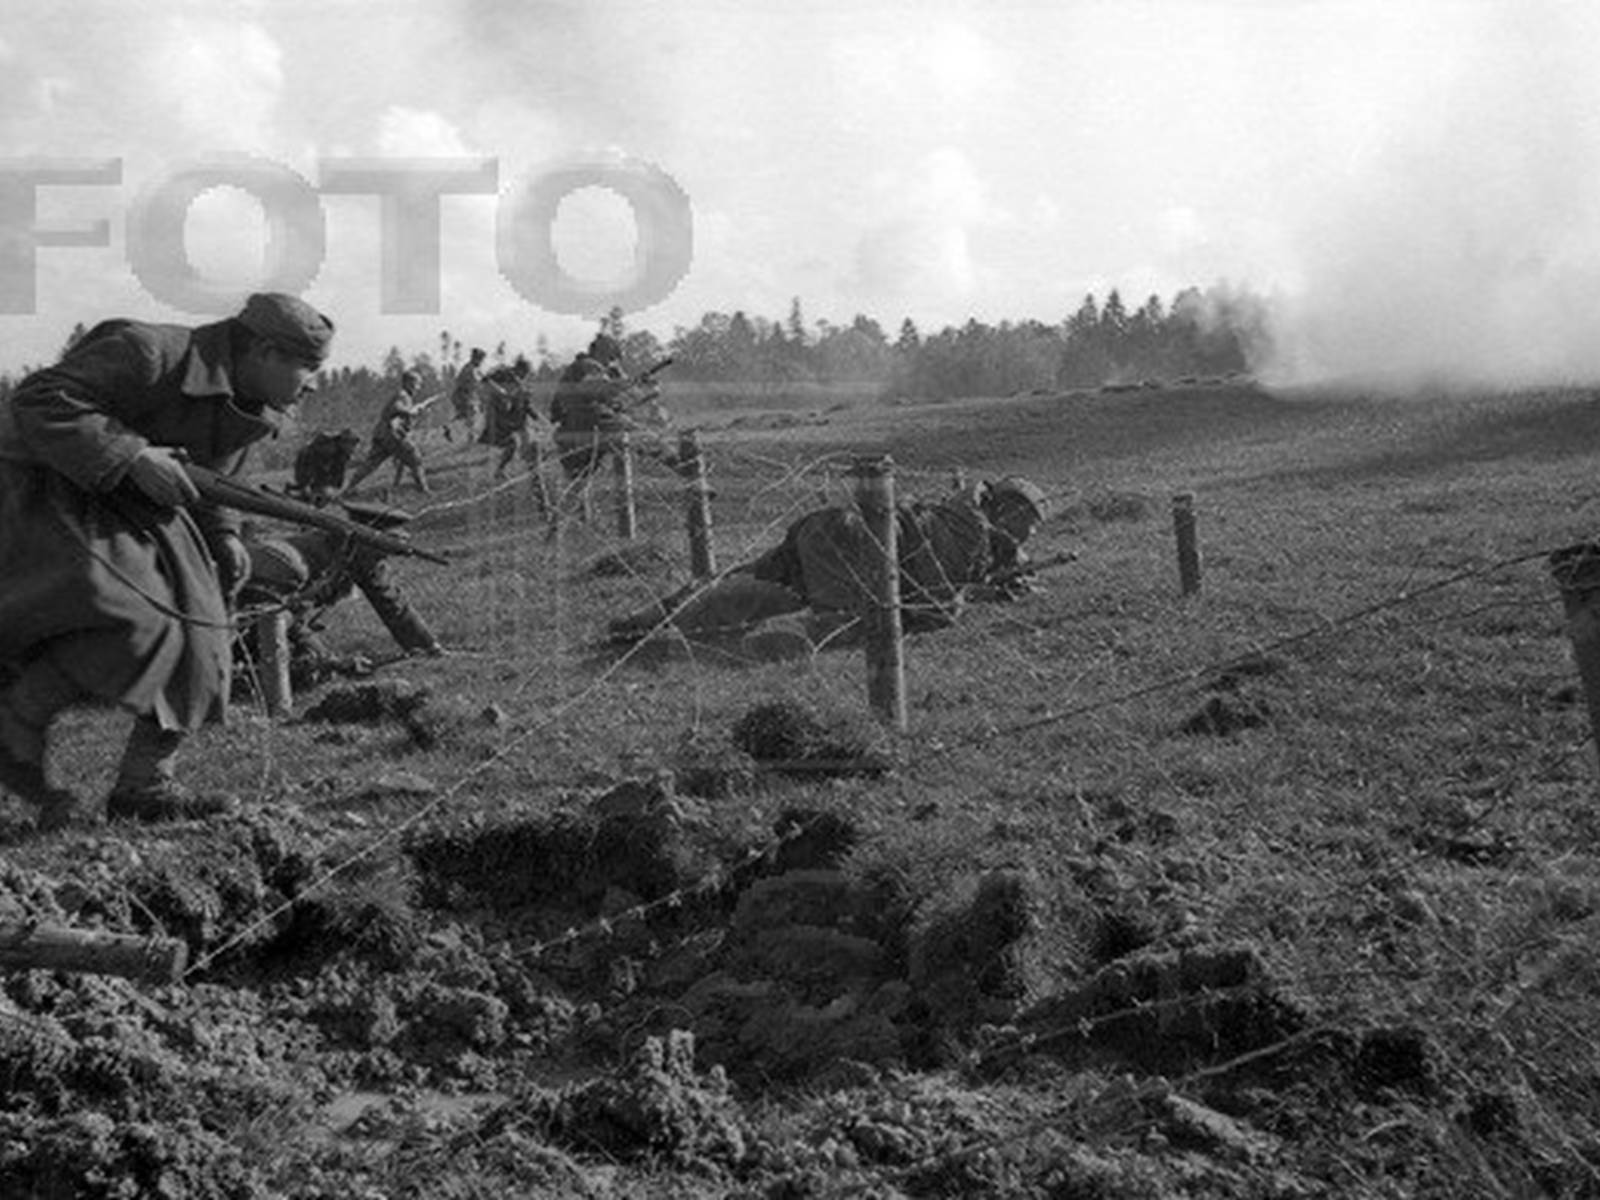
column 233, row 565
column 158, row 472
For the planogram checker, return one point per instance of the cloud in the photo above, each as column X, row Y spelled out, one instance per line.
column 922, row 241
column 418, row 133
column 913, row 78
column 197, row 61
column 1467, row 245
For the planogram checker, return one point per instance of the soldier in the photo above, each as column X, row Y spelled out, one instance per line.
column 116, row 575
column 595, row 402
column 588, row 408
column 966, row 546
column 391, row 436
column 464, row 394
column 311, row 570
column 321, row 464
column 507, row 412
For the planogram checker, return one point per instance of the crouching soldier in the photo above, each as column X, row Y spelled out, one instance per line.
column 115, row 576
column 967, row 546
column 321, row 465
column 310, row 571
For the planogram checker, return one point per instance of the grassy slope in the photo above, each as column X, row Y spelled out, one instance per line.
column 1429, row 731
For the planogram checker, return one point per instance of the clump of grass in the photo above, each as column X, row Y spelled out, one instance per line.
column 793, row 738
column 712, row 767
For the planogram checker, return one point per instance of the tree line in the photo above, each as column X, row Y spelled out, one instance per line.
column 1201, row 332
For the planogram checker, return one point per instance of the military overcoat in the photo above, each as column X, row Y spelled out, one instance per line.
column 123, row 594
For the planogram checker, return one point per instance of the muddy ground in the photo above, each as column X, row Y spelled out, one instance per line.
column 701, row 974
column 602, row 993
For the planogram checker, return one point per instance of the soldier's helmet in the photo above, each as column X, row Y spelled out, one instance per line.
column 1026, row 490
column 605, row 348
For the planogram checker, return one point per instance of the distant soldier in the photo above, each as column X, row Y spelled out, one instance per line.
column 392, row 435
column 464, row 394
column 508, row 412
column 322, row 463
column 588, row 409
column 596, row 404
column 311, row 570
column 965, row 546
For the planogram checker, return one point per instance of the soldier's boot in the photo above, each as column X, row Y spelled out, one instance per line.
column 147, row 788
column 26, row 709
column 404, row 623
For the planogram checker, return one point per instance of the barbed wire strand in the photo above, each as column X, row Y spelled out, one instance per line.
column 562, row 709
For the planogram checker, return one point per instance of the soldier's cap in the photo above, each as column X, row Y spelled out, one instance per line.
column 375, row 515
column 290, row 324
column 1025, row 490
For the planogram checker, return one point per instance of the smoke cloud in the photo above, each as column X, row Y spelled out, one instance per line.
column 1466, row 247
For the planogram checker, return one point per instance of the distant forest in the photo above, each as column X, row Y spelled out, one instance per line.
column 1215, row 331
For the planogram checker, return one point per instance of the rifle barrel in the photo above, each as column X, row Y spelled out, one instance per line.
column 231, row 493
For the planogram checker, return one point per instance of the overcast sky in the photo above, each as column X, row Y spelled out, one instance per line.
column 1416, row 181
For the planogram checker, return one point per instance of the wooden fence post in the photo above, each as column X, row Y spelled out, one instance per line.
column 1188, row 548
column 26, row 946
column 702, row 552
column 622, row 457
column 885, row 652
column 1577, row 573
column 272, row 646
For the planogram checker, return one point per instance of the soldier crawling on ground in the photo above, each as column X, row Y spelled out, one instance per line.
column 966, row 546
column 310, row 571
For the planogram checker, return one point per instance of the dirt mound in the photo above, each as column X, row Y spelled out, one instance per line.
column 656, row 1105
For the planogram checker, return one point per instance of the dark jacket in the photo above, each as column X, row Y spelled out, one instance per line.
column 127, row 593
column 588, row 396
column 507, row 409
column 827, row 557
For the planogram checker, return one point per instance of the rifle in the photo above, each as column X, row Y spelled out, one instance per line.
column 1025, row 571
column 231, row 493
column 651, row 372
column 643, row 382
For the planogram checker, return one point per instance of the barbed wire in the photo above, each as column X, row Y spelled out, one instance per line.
column 828, row 468
column 1324, row 628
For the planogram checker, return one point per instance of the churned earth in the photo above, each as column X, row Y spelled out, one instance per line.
column 1152, row 898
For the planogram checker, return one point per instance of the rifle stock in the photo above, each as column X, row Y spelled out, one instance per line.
column 226, row 492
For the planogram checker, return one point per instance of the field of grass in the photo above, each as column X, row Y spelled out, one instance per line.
column 1358, row 759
